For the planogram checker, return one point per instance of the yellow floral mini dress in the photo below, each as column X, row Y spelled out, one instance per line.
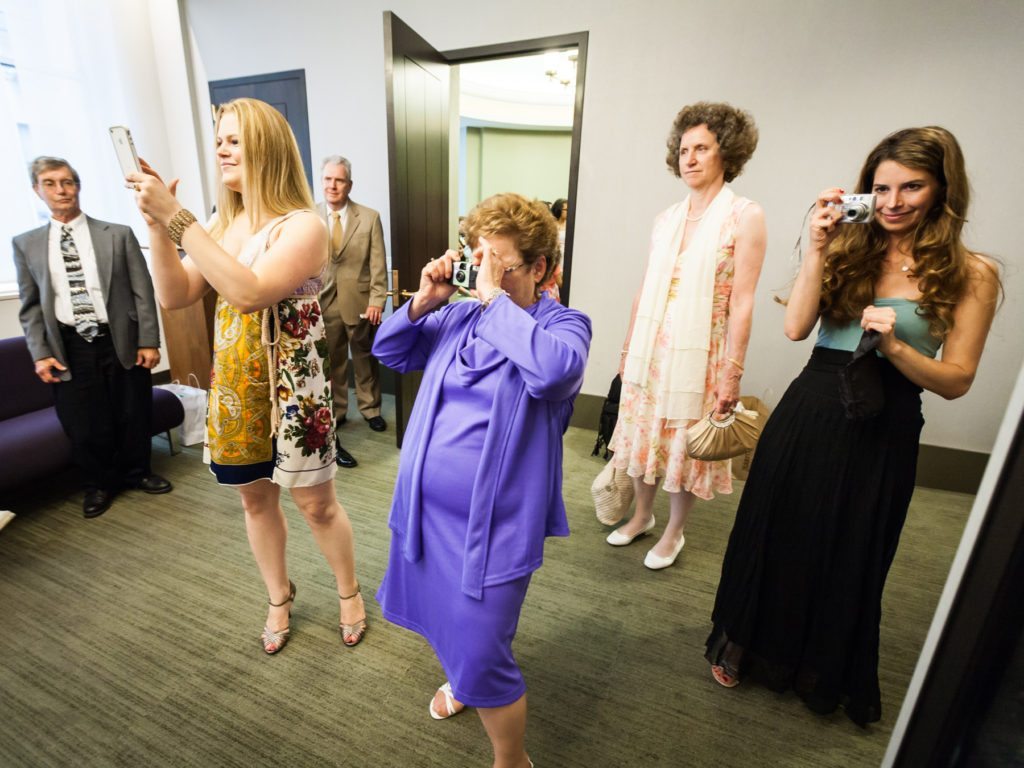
column 269, row 414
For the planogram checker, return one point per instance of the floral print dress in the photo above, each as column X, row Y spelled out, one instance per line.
column 643, row 445
column 270, row 391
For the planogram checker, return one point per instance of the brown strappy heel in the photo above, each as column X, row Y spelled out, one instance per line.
column 352, row 634
column 274, row 641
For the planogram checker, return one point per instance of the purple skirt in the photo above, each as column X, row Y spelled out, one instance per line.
column 472, row 638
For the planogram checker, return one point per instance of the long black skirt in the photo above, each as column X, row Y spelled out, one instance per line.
column 815, row 533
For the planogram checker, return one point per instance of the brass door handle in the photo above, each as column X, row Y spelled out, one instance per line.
column 396, row 293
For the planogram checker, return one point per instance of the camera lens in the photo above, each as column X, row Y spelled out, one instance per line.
column 857, row 212
column 460, row 276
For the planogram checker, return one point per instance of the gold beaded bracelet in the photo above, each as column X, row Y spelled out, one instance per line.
column 736, row 363
column 495, row 293
column 179, row 222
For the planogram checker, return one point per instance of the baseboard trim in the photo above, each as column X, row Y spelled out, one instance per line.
column 945, row 469
column 950, row 469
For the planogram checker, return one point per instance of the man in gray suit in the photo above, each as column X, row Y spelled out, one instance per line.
column 354, row 292
column 90, row 322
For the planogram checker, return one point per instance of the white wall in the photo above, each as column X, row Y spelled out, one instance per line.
column 824, row 83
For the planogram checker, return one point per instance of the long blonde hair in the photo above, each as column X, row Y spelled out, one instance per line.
column 853, row 263
column 274, row 181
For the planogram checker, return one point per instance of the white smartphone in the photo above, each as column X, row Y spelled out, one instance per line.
column 125, row 149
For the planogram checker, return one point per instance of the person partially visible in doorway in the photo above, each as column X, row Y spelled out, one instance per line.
column 90, row 322
column 355, row 291
column 560, row 210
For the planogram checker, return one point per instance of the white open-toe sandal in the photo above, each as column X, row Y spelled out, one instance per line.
column 449, row 703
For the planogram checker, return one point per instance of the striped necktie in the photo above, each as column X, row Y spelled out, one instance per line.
column 86, row 322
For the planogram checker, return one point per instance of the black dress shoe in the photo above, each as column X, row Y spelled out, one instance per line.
column 344, row 458
column 151, row 484
column 97, row 501
column 377, row 423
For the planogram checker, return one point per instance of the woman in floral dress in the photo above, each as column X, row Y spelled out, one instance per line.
column 690, row 324
column 269, row 421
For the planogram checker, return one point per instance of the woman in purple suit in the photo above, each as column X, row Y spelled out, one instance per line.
column 480, row 479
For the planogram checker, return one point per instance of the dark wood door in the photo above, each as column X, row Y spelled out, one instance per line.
column 285, row 91
column 417, row 79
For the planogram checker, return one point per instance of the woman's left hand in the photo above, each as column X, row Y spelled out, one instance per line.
column 727, row 394
column 883, row 320
column 155, row 199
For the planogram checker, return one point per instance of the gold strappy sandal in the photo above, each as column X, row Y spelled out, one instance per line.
column 274, row 641
column 352, row 634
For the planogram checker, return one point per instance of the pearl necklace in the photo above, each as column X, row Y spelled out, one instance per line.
column 696, row 218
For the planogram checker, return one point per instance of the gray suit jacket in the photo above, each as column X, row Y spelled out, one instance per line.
column 124, row 279
column 358, row 277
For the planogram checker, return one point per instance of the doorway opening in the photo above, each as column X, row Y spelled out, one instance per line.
column 424, row 165
column 515, row 129
column 519, row 109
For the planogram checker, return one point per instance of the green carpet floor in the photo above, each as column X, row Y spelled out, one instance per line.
column 131, row 640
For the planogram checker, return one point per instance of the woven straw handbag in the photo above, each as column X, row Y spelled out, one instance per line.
column 612, row 490
column 711, row 439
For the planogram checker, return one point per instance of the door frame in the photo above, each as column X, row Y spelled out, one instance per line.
column 578, row 40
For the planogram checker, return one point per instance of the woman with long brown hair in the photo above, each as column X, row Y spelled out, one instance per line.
column 799, row 602
column 269, row 420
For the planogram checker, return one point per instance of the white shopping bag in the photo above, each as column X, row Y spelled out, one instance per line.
column 193, row 400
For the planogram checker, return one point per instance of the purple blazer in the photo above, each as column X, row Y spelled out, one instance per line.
column 546, row 355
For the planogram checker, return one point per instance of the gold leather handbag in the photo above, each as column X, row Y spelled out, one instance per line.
column 711, row 439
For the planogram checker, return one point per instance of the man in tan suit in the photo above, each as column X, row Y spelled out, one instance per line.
column 354, row 292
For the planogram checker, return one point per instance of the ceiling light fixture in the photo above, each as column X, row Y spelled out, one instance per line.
column 561, row 67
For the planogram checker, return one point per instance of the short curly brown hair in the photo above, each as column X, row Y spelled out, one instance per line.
column 528, row 222
column 734, row 128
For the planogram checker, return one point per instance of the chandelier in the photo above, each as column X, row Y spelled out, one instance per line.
column 560, row 67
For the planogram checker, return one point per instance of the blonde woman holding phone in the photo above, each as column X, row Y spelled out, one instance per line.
column 269, row 423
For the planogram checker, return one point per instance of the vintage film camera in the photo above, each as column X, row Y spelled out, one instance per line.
column 857, row 209
column 464, row 274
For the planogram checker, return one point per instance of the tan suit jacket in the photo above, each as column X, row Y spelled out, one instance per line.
column 357, row 277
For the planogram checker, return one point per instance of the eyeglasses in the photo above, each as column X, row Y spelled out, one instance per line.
column 514, row 267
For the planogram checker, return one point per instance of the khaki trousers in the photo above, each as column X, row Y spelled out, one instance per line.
column 366, row 370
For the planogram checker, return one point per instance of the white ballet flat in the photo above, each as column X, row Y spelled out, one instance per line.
column 656, row 563
column 617, row 539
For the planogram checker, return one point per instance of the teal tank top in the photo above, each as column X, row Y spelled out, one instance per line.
column 911, row 329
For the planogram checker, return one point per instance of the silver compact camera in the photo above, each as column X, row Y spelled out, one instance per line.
column 464, row 274
column 857, row 209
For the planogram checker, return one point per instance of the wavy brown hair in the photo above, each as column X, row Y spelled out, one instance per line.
column 275, row 181
column 528, row 222
column 734, row 128
column 854, row 260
